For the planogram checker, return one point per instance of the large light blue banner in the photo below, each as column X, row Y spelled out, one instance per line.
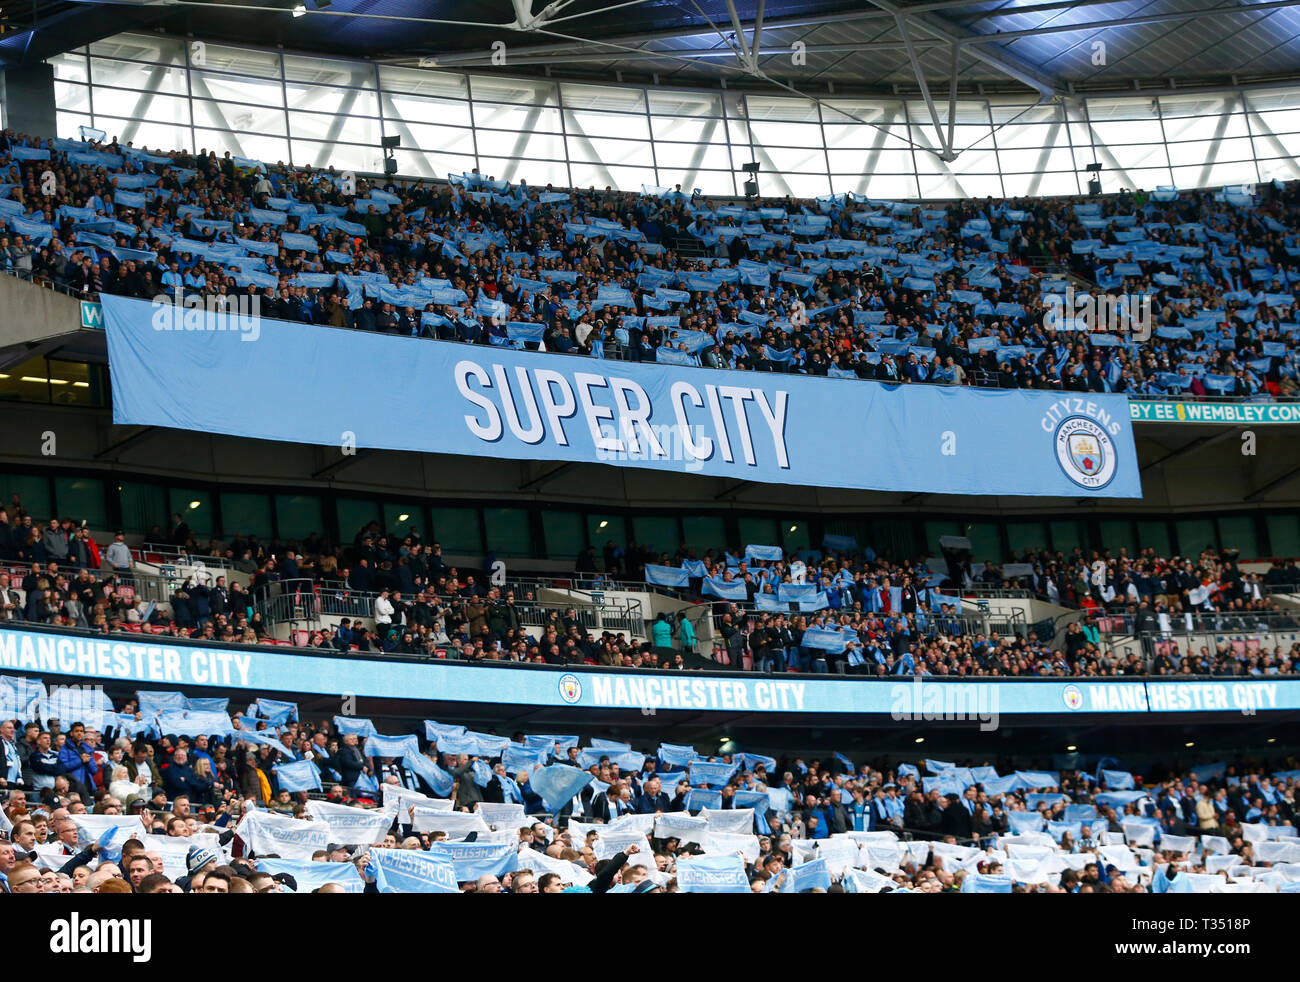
column 131, row 659
column 783, row 429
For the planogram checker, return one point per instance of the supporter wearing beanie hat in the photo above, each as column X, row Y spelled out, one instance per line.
column 199, row 858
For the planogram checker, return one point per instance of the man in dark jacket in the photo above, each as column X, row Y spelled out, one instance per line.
column 652, row 798
column 178, row 778
column 349, row 761
column 958, row 817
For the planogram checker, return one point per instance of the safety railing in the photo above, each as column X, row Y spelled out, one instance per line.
column 1197, row 622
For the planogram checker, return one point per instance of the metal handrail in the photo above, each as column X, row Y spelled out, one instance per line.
column 1202, row 622
column 300, row 600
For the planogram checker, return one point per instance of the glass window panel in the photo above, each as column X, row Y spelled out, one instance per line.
column 709, row 182
column 608, row 151
column 141, row 47
column 324, row 99
column 670, row 103
column 940, row 185
column 514, row 169
column 623, row 178
column 442, row 139
column 142, row 134
column 353, row 515
column 788, row 160
column 1220, row 151
column 1017, row 136
column 194, row 508
column 688, row 130
column 1208, row 128
column 297, row 515
column 1111, row 109
column 685, row 155
column 409, row 107
column 1282, row 168
column 1194, row 535
column 596, row 124
column 458, row 531
column 509, row 531
column 245, row 514
column 1182, row 107
column 498, row 143
column 1235, row 532
column 846, row 135
column 1155, row 535
column 756, row 531
column 75, row 383
column 241, row 61
column 877, row 185
column 138, row 77
column 770, row 134
column 1018, row 185
column 1148, row 177
column 937, row 529
column 1129, row 157
column 985, row 541
column 420, row 82
column 425, row 164
column 242, row 119
column 533, row 119
column 1022, row 115
column 66, row 125
column 519, row 91
column 340, row 129
column 656, row 532
column 1281, row 121
column 1283, row 535
column 251, row 145
column 704, row 532
column 538, row 173
column 1217, row 175
column 565, row 537
column 70, row 67
column 859, row 162
column 1068, row 536
column 143, row 506
column 1112, row 133
column 598, row 97
column 780, row 108
column 343, row 156
column 795, row 534
column 33, row 494
column 1026, row 535
column 328, row 71
column 258, row 91
column 801, row 185
column 72, row 98
column 603, row 529
column 1117, row 534
column 137, row 105
column 400, row 517
column 1031, row 161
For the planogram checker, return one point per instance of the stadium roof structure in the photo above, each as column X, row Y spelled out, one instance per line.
column 1056, row 48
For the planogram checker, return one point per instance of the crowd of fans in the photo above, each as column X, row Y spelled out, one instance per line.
column 399, row 595
column 175, row 811
column 839, row 286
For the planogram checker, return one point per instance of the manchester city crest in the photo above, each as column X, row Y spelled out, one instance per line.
column 1085, row 452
